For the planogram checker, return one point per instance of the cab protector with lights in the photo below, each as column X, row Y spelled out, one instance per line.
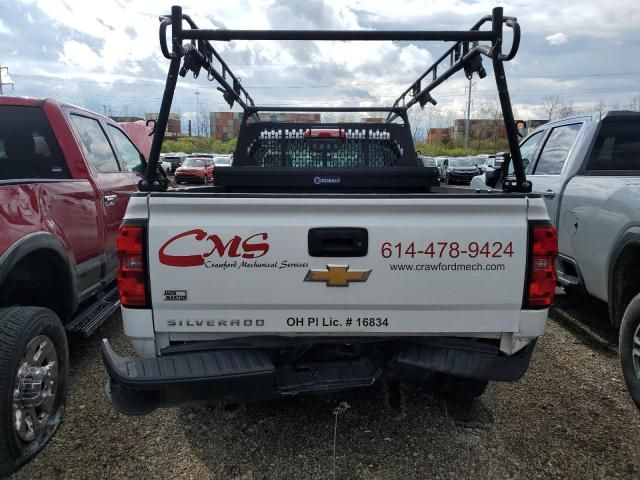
column 326, row 256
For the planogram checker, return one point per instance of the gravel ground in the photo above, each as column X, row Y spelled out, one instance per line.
column 570, row 417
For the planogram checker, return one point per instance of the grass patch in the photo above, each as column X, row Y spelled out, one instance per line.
column 199, row 144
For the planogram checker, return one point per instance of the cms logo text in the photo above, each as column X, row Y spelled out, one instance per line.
column 254, row 246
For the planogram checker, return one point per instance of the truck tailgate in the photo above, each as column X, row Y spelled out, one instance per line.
column 242, row 264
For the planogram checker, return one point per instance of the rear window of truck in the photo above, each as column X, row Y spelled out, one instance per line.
column 617, row 147
column 28, row 148
column 300, row 148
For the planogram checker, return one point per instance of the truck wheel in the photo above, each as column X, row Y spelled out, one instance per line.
column 459, row 389
column 34, row 365
column 629, row 346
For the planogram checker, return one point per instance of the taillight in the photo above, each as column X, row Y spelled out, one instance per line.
column 324, row 133
column 131, row 273
column 543, row 250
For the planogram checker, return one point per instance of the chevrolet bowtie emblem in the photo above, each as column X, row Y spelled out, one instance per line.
column 337, row 275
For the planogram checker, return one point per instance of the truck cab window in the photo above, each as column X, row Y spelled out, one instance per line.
column 128, row 153
column 556, row 149
column 527, row 151
column 28, row 148
column 617, row 147
column 96, row 144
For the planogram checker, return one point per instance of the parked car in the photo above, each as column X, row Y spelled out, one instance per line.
column 175, row 159
column 166, row 165
column 223, row 160
column 440, row 160
column 319, row 247
column 427, row 161
column 488, row 161
column 587, row 169
column 195, row 169
column 65, row 179
column 458, row 170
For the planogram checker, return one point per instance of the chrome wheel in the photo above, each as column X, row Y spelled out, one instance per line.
column 35, row 390
column 635, row 352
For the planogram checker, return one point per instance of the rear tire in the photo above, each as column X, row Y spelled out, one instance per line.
column 459, row 389
column 629, row 346
column 34, row 366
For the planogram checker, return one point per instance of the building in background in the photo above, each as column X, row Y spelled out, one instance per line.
column 479, row 128
column 173, row 124
column 373, row 120
column 226, row 125
column 438, row 135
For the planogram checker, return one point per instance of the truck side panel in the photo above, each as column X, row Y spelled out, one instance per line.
column 595, row 211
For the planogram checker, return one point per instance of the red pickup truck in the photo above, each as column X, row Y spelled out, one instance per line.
column 65, row 179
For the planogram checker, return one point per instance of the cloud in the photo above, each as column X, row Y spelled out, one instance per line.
column 110, row 56
column 78, row 54
column 557, row 38
column 4, row 29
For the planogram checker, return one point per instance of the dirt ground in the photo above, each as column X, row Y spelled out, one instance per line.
column 569, row 417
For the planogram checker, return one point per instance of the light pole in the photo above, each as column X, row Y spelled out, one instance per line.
column 197, row 93
column 466, row 125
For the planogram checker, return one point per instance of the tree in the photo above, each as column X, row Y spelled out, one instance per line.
column 600, row 106
column 497, row 122
column 202, row 125
column 566, row 110
column 551, row 105
column 556, row 107
column 478, row 129
column 417, row 120
column 446, row 140
column 635, row 103
column 91, row 104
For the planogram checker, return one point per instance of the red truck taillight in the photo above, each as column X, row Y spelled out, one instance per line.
column 132, row 271
column 543, row 249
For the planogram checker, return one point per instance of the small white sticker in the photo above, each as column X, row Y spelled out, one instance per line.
column 175, row 295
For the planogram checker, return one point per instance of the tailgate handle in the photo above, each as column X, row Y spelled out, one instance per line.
column 338, row 242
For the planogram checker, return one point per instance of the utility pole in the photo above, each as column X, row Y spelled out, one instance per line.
column 466, row 126
column 1, row 83
column 197, row 113
column 189, row 127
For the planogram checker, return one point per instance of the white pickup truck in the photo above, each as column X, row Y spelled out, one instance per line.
column 326, row 257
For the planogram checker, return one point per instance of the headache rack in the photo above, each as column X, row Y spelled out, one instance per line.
column 319, row 157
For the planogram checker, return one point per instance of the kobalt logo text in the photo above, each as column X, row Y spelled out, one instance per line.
column 250, row 247
column 321, row 180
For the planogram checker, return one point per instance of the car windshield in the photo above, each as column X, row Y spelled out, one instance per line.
column 462, row 162
column 428, row 162
column 222, row 160
column 193, row 162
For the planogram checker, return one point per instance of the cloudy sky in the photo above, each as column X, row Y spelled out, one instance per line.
column 105, row 55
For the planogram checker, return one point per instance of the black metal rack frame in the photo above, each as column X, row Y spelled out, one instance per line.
column 465, row 54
